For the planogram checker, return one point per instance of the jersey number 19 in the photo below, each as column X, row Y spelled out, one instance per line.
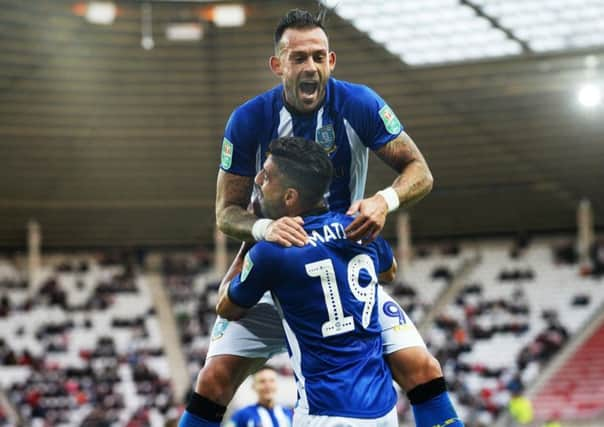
column 338, row 323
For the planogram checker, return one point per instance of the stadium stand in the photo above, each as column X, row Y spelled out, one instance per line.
column 82, row 346
column 492, row 339
column 506, row 322
column 192, row 288
column 427, row 277
column 576, row 390
column 91, row 335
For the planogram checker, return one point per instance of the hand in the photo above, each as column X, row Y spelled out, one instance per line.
column 370, row 221
column 287, row 231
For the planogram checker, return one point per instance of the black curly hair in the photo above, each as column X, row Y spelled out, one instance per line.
column 304, row 165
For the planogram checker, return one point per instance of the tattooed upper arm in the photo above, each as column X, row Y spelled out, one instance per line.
column 233, row 189
column 399, row 152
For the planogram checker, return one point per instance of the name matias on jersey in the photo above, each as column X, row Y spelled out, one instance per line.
column 333, row 231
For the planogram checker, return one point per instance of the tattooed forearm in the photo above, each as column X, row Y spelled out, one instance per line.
column 236, row 222
column 232, row 197
column 413, row 184
column 415, row 179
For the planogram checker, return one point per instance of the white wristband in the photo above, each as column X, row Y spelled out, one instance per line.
column 389, row 194
column 259, row 228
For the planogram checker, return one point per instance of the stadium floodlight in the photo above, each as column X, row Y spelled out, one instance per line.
column 185, row 31
column 589, row 95
column 102, row 13
column 228, row 15
column 591, row 62
column 147, row 41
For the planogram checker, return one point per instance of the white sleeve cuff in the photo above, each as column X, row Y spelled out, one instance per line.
column 259, row 228
column 390, row 195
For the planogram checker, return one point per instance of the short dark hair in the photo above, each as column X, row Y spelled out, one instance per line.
column 298, row 18
column 304, row 165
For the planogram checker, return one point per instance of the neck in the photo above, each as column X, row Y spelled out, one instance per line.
column 290, row 107
column 315, row 210
column 267, row 403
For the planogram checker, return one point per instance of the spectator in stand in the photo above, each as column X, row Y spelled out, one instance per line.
column 265, row 413
column 96, row 418
column 596, row 254
column 521, row 408
column 5, row 306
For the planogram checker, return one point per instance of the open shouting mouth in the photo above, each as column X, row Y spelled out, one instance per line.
column 308, row 89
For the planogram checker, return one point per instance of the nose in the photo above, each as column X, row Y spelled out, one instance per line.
column 258, row 178
column 310, row 66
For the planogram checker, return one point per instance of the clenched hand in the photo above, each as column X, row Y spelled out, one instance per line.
column 370, row 220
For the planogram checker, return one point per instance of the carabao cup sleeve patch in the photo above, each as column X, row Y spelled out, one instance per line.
column 391, row 122
column 226, row 158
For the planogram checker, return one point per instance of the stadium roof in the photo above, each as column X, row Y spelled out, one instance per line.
column 443, row 31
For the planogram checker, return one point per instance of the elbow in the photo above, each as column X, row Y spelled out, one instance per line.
column 429, row 181
column 220, row 222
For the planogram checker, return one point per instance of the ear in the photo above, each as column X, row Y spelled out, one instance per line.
column 332, row 61
column 291, row 197
column 274, row 64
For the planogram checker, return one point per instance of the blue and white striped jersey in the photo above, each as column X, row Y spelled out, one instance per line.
column 259, row 416
column 352, row 119
column 327, row 295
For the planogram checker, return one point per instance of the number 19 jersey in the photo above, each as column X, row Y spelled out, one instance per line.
column 326, row 294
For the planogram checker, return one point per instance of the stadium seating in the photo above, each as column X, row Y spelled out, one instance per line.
column 576, row 391
column 192, row 288
column 86, row 334
column 517, row 310
column 82, row 344
column 428, row 275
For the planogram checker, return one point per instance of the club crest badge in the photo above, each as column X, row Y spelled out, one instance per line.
column 326, row 138
column 219, row 328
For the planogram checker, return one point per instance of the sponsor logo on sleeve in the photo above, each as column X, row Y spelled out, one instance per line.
column 391, row 122
column 226, row 158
